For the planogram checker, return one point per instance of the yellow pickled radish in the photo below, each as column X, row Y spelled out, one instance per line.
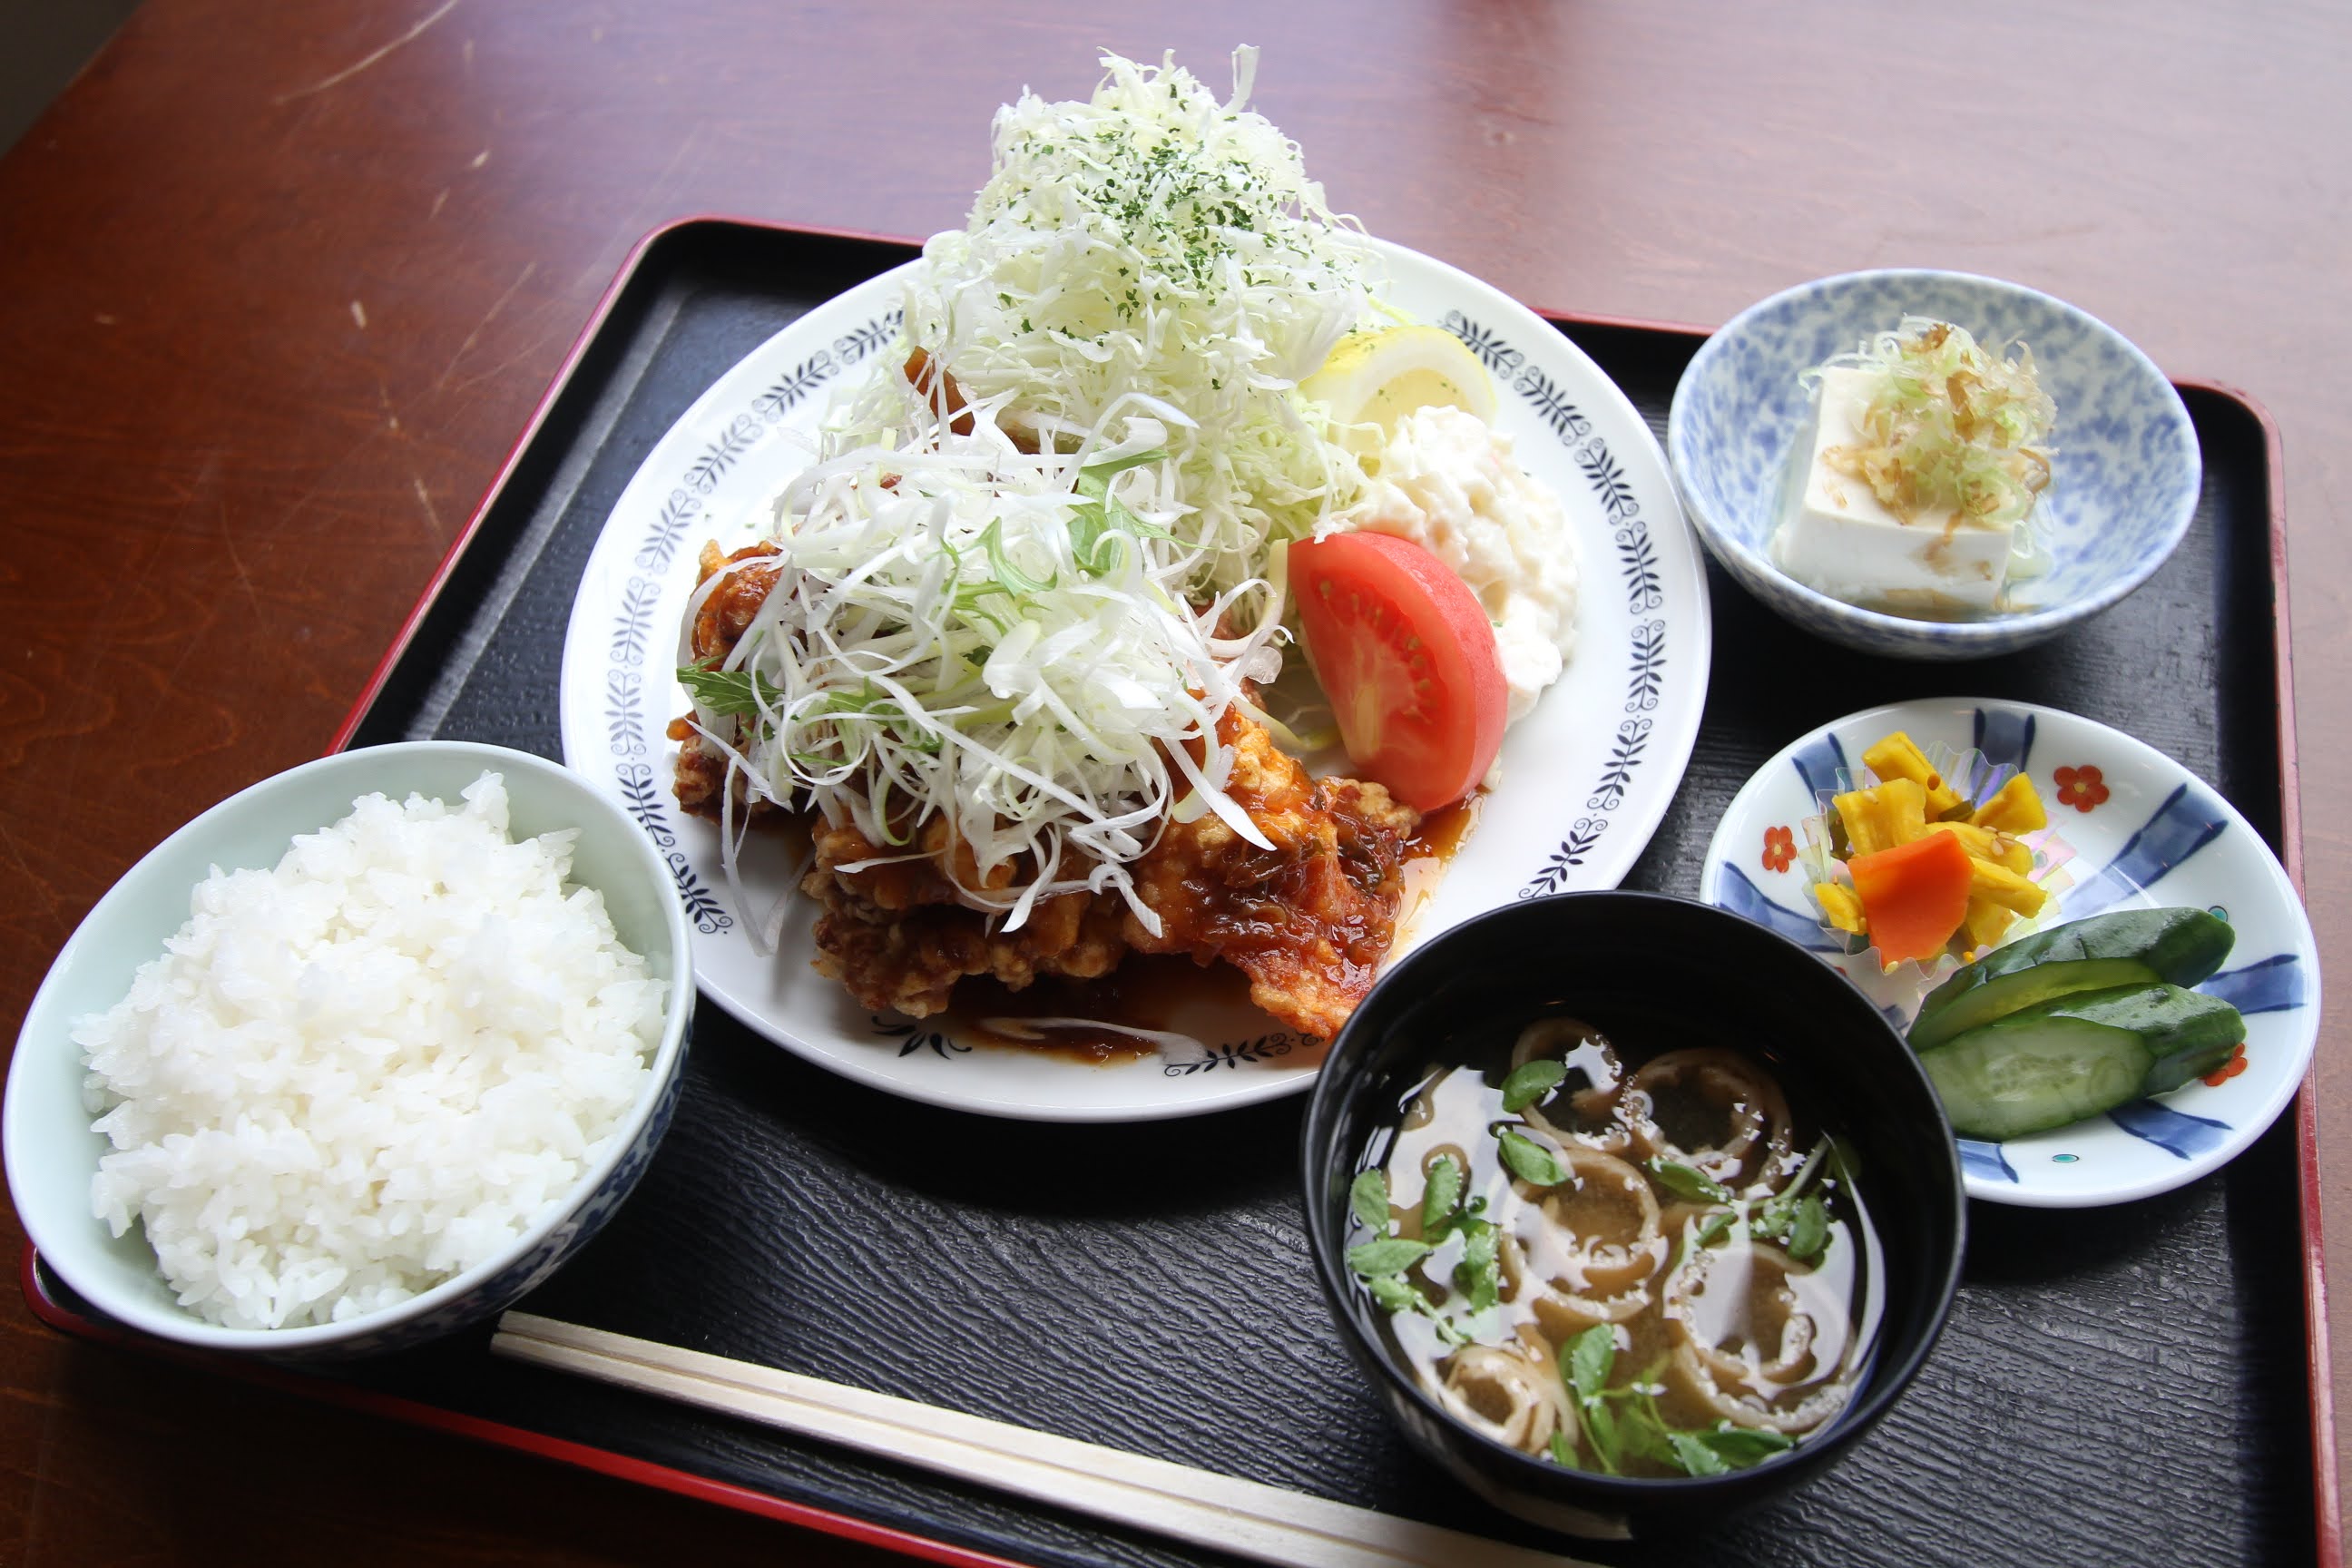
column 1998, row 885
column 1986, row 844
column 1899, row 757
column 1883, row 815
column 1842, row 908
column 1986, row 922
column 2016, row 809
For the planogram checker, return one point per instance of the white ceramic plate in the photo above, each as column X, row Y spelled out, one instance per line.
column 2145, row 834
column 1586, row 777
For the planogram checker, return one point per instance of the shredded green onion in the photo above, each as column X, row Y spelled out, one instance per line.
column 996, row 640
column 1949, row 426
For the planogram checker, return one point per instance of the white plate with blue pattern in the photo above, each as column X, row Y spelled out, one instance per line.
column 2145, row 833
column 1586, row 777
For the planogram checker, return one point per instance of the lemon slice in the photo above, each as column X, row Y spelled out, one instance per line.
column 1378, row 377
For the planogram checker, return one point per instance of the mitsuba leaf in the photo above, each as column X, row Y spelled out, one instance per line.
column 1645, row 1432
column 1441, row 1196
column 1094, row 479
column 1740, row 1446
column 1530, row 1161
column 1585, row 1362
column 736, row 692
column 1100, row 513
column 1000, row 564
column 1478, row 1274
column 1600, row 1431
column 1530, row 1081
column 1392, row 1292
column 1369, row 1198
column 1589, row 1358
column 1389, row 1254
column 1809, row 1230
column 1688, row 1182
column 1694, row 1457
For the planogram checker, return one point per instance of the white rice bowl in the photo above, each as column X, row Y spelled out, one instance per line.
column 383, row 1062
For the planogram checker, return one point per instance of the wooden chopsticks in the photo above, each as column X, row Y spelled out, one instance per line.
column 1229, row 1514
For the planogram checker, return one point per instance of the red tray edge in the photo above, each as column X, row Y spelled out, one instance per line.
column 2325, row 1491
column 2326, row 1483
column 415, row 1412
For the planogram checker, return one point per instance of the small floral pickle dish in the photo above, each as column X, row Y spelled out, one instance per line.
column 2129, row 828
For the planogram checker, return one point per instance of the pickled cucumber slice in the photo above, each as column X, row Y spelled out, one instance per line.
column 2076, row 1056
column 2129, row 947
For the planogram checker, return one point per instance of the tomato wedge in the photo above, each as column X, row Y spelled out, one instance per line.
column 1408, row 659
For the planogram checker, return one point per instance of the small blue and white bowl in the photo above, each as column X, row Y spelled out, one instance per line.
column 2125, row 460
column 52, row 1153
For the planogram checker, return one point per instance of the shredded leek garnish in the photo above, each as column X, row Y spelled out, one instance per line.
column 969, row 644
column 1949, row 427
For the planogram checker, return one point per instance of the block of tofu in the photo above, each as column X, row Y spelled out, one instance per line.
column 1838, row 539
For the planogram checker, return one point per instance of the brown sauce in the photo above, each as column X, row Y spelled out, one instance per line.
column 1429, row 851
column 1147, row 991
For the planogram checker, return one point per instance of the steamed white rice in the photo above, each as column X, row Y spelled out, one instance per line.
column 355, row 1076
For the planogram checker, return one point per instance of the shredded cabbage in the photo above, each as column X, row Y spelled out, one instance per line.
column 971, row 643
column 1950, row 427
column 1017, row 599
column 1152, row 243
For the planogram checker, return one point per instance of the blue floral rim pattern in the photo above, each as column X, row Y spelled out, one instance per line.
column 631, row 641
column 1639, row 569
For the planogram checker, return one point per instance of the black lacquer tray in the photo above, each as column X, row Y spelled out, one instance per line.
column 2125, row 1385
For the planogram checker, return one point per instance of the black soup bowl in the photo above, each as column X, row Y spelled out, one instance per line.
column 1652, row 973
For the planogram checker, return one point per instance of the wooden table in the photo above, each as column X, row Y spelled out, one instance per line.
column 279, row 285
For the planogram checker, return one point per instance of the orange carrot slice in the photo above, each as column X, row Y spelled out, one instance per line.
column 1914, row 896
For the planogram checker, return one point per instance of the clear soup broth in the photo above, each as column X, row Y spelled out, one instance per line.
column 1624, row 1255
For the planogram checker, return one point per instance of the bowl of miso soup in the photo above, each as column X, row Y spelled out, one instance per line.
column 1632, row 1212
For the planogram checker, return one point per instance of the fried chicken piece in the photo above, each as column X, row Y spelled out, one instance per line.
column 897, row 937
column 700, row 779
column 724, row 617
column 1308, row 920
column 936, row 386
